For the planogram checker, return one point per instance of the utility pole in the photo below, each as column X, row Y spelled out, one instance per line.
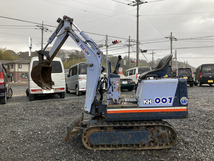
column 43, row 29
column 137, row 3
column 171, row 38
column 176, row 60
column 129, row 51
column 106, row 54
column 153, row 58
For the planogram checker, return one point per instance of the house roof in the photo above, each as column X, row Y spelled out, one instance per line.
column 5, row 61
column 18, row 61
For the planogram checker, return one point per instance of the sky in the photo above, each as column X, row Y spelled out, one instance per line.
column 190, row 21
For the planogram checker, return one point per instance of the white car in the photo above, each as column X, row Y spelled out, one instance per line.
column 57, row 75
column 134, row 73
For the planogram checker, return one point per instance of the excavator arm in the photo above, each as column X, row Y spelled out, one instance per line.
column 41, row 74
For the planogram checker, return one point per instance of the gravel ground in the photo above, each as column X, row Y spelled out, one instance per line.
column 36, row 131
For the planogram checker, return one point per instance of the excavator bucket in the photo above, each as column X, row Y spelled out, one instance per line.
column 41, row 75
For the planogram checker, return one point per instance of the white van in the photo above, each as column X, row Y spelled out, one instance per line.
column 57, row 75
column 134, row 73
column 76, row 78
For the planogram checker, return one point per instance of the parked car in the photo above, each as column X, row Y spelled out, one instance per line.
column 187, row 74
column 5, row 88
column 204, row 74
column 76, row 78
column 134, row 73
column 126, row 83
column 57, row 75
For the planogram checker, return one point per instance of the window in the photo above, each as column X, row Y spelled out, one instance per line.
column 134, row 71
column 20, row 66
column 83, row 68
column 70, row 72
column 74, row 70
column 11, row 66
column 208, row 68
column 56, row 66
column 24, row 75
column 131, row 72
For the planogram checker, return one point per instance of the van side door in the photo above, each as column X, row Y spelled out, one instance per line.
column 74, row 77
column 69, row 79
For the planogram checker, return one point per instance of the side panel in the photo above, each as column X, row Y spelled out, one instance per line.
column 157, row 93
column 157, row 100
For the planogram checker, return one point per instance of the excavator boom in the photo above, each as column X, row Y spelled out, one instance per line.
column 41, row 74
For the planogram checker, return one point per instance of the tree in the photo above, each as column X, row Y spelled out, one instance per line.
column 7, row 55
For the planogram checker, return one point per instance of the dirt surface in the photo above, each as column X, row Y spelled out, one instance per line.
column 36, row 130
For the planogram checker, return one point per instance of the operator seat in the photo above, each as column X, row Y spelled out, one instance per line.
column 160, row 70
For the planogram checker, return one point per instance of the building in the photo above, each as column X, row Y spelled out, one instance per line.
column 17, row 69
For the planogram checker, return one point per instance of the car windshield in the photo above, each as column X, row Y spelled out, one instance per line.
column 184, row 71
column 56, row 66
column 143, row 69
column 208, row 68
column 83, row 68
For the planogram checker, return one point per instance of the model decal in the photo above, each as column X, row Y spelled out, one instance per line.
column 158, row 100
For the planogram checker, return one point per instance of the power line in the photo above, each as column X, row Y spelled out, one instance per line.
column 193, row 38
column 188, row 47
column 26, row 21
column 153, row 25
column 117, row 37
column 178, row 14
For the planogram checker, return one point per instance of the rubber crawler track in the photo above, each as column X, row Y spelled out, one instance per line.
column 167, row 140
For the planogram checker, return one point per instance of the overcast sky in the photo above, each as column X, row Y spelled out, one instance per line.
column 190, row 21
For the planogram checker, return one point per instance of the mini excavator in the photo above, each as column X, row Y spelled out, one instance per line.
column 118, row 123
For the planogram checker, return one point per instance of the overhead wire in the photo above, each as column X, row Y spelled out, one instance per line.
column 153, row 25
column 26, row 21
column 117, row 37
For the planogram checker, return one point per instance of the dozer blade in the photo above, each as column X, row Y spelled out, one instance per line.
column 41, row 75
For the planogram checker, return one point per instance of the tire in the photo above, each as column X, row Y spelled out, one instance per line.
column 27, row 92
column 78, row 93
column 62, row 95
column 4, row 100
column 10, row 93
column 66, row 89
column 200, row 84
column 31, row 97
column 191, row 85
